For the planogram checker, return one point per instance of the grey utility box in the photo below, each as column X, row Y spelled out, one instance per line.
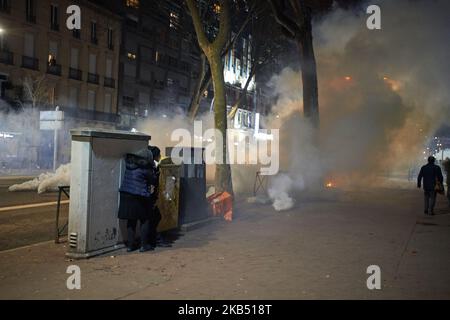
column 97, row 167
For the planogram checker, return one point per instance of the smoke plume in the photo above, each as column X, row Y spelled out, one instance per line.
column 382, row 95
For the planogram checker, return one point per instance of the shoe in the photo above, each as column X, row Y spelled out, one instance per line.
column 164, row 245
column 146, row 248
column 131, row 249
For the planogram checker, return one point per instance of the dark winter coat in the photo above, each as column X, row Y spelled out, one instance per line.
column 138, row 175
column 429, row 173
column 135, row 197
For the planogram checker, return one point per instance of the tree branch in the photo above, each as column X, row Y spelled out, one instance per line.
column 224, row 27
column 201, row 36
column 290, row 26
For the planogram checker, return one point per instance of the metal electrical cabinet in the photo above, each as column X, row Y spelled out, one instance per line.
column 97, row 167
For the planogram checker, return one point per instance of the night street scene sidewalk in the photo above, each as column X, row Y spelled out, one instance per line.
column 224, row 150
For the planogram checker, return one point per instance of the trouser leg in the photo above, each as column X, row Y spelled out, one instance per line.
column 156, row 218
column 426, row 201
column 131, row 232
column 432, row 200
column 145, row 228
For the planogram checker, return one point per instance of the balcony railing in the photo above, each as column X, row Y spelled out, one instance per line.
column 54, row 69
column 30, row 63
column 6, row 57
column 109, row 82
column 75, row 74
column 93, row 78
column 94, row 41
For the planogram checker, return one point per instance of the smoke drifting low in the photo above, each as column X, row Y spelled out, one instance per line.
column 382, row 93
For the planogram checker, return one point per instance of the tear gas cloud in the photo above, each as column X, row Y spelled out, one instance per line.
column 382, row 94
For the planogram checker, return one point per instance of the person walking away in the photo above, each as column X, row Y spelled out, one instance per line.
column 430, row 174
column 135, row 198
column 446, row 165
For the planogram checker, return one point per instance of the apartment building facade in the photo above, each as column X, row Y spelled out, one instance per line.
column 158, row 58
column 79, row 68
column 46, row 65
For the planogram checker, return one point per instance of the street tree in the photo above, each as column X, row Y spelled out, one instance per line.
column 244, row 12
column 35, row 90
column 213, row 47
column 294, row 17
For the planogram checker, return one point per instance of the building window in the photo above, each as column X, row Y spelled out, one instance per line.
column 216, row 8
column 110, row 39
column 73, row 97
column 174, row 20
column 133, row 4
column 109, row 64
column 76, row 33
column 92, row 63
column 4, row 6
column 52, row 53
column 30, row 9
column 108, row 103
column 128, row 101
column 54, row 19
column 94, row 32
column 131, row 56
column 91, row 100
column 28, row 45
column 3, row 44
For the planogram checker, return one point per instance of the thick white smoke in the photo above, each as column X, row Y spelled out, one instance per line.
column 49, row 181
column 382, row 94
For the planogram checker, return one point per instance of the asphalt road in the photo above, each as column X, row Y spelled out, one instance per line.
column 24, row 226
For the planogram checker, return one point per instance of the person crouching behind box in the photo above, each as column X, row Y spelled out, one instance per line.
column 135, row 198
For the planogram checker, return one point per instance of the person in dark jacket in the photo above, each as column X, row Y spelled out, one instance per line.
column 135, row 198
column 429, row 173
column 156, row 215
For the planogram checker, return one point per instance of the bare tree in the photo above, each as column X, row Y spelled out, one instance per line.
column 204, row 78
column 213, row 51
column 35, row 90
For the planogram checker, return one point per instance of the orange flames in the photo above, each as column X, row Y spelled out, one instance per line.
column 330, row 184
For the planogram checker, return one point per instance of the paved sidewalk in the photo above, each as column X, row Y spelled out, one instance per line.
column 318, row 250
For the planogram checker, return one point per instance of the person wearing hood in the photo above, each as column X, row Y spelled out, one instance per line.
column 136, row 198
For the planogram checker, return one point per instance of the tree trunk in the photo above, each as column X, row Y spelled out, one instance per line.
column 309, row 72
column 223, row 172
